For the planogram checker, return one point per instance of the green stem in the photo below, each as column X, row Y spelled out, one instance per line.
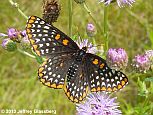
column 92, row 17
column 19, row 10
column 105, row 28
column 26, row 53
column 70, row 17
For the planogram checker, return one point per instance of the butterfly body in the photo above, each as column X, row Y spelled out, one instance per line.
column 69, row 67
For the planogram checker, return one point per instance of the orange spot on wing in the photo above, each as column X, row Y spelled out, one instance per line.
column 35, row 47
column 57, row 37
column 28, row 30
column 102, row 65
column 40, row 74
column 29, row 26
column 53, row 85
column 84, row 94
column 32, row 41
column 71, row 98
column 65, row 89
column 41, row 69
column 123, row 83
column 114, row 89
column 44, row 63
column 119, row 86
column 109, row 89
column 47, row 83
column 126, row 80
column 76, row 100
column 103, row 89
column 98, row 89
column 65, row 42
column 37, row 52
column 68, row 94
column 29, row 36
column 93, row 89
column 60, row 86
column 31, row 21
column 80, row 98
column 32, row 17
column 42, row 80
column 95, row 61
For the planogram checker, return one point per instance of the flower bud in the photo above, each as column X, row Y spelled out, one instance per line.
column 90, row 29
column 51, row 11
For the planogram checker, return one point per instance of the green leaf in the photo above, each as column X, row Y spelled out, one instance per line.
column 149, row 79
column 74, row 37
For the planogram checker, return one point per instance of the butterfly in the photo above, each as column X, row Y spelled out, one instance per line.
column 67, row 66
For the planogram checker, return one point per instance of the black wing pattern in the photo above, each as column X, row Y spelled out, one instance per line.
column 76, row 87
column 46, row 39
column 101, row 77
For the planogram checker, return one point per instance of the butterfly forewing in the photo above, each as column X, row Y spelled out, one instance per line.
column 101, row 77
column 47, row 39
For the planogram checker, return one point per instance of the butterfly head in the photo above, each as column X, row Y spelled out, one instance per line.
column 84, row 49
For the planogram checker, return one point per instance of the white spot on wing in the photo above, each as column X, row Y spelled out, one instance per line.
column 46, row 27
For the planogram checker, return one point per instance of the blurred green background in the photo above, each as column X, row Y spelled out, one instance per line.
column 19, row 85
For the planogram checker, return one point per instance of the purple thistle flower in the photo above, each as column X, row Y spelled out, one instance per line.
column 25, row 43
column 117, row 58
column 86, row 43
column 25, row 37
column 121, row 3
column 98, row 104
column 141, row 63
column 90, row 29
column 23, row 33
column 13, row 34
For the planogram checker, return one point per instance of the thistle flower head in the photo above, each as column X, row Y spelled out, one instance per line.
column 117, row 58
column 51, row 10
column 121, row 3
column 9, row 45
column 90, row 29
column 141, row 63
column 86, row 43
column 99, row 104
column 13, row 34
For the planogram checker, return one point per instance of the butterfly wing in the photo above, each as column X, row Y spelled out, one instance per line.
column 76, row 87
column 101, row 77
column 53, row 71
column 46, row 39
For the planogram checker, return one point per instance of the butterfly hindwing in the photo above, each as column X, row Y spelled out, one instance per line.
column 76, row 87
column 47, row 39
column 101, row 77
column 53, row 71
